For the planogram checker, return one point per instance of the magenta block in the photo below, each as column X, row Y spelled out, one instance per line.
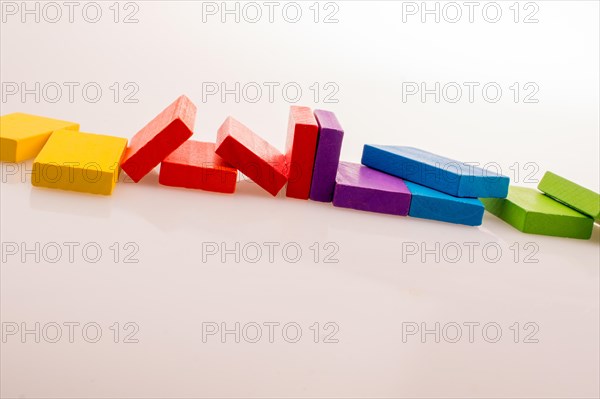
column 366, row 189
column 329, row 147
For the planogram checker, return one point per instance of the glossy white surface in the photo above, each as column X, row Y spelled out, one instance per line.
column 377, row 288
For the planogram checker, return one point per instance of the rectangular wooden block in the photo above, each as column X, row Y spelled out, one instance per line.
column 571, row 194
column 196, row 165
column 22, row 136
column 252, row 155
column 160, row 137
column 327, row 158
column 530, row 211
column 427, row 203
column 301, row 146
column 365, row 189
column 434, row 171
column 78, row 161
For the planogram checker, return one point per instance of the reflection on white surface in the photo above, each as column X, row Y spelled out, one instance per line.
column 371, row 291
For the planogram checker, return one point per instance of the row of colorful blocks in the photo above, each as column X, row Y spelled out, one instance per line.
column 393, row 180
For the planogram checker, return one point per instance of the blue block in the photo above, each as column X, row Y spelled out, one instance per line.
column 430, row 204
column 437, row 172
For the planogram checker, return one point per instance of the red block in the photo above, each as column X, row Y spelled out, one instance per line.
column 302, row 135
column 195, row 165
column 171, row 128
column 252, row 155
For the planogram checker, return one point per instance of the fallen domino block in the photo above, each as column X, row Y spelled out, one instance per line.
column 327, row 158
column 22, row 136
column 439, row 173
column 196, row 165
column 571, row 194
column 253, row 156
column 301, row 146
column 167, row 131
column 530, row 211
column 365, row 189
column 427, row 203
column 77, row 161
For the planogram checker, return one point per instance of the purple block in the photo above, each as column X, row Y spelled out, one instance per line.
column 327, row 157
column 366, row 189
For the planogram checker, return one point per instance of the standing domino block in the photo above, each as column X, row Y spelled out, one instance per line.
column 301, row 146
column 22, row 136
column 195, row 165
column 442, row 174
column 571, row 194
column 253, row 156
column 530, row 211
column 82, row 162
column 427, row 203
column 327, row 158
column 167, row 131
column 365, row 189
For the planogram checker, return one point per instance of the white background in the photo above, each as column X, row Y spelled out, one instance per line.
column 376, row 288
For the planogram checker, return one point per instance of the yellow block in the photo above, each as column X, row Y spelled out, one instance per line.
column 79, row 162
column 22, row 136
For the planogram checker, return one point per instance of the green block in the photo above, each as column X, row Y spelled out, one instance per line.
column 530, row 211
column 572, row 194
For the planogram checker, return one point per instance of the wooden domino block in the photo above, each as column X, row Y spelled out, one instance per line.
column 301, row 146
column 196, row 165
column 78, row 161
column 427, row 203
column 571, row 194
column 252, row 155
column 327, row 158
column 439, row 173
column 530, row 211
column 160, row 137
column 22, row 136
column 366, row 189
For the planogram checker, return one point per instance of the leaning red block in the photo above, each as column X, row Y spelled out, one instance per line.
column 302, row 135
column 159, row 138
column 252, row 155
column 196, row 165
